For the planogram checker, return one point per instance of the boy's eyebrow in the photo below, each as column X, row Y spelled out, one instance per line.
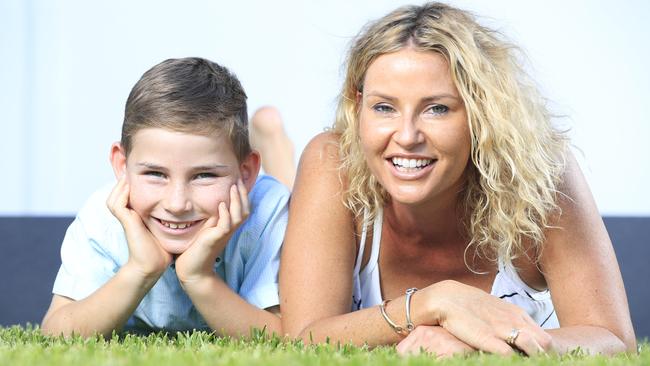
column 200, row 167
column 209, row 167
column 151, row 166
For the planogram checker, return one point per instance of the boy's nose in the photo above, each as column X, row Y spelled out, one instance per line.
column 178, row 200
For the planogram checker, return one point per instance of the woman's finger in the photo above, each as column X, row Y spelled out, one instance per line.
column 433, row 339
column 479, row 335
column 525, row 340
column 404, row 346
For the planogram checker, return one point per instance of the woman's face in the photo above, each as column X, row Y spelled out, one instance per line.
column 413, row 126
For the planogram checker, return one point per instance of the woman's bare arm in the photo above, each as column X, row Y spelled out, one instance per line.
column 318, row 257
column 581, row 270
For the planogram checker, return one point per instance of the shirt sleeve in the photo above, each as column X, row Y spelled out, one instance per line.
column 261, row 253
column 86, row 264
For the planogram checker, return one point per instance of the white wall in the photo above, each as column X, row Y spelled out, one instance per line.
column 67, row 67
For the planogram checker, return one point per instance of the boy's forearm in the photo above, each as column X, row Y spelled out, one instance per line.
column 105, row 310
column 226, row 312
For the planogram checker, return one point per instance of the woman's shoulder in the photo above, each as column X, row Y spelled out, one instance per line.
column 324, row 147
column 321, row 156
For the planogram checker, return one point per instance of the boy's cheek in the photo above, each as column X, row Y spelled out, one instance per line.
column 138, row 198
column 211, row 199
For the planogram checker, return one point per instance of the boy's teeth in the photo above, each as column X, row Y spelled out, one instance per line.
column 411, row 163
column 172, row 225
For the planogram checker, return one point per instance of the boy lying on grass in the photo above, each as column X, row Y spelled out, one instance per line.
column 177, row 244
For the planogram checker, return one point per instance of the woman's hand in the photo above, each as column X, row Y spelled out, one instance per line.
column 433, row 339
column 485, row 322
column 197, row 261
column 145, row 253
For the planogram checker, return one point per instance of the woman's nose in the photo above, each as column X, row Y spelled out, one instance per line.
column 408, row 133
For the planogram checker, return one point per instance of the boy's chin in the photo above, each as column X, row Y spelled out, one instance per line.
column 175, row 247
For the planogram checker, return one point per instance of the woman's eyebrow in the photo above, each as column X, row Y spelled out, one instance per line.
column 430, row 98
column 433, row 98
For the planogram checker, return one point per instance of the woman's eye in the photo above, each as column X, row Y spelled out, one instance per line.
column 439, row 109
column 383, row 108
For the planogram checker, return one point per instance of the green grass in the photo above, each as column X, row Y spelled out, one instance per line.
column 27, row 346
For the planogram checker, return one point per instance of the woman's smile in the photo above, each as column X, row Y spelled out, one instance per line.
column 413, row 126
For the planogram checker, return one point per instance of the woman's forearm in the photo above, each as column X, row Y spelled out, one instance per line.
column 590, row 339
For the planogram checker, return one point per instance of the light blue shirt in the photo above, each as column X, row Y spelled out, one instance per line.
column 95, row 247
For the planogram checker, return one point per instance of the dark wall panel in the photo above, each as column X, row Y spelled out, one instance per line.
column 30, row 260
column 28, row 264
column 631, row 239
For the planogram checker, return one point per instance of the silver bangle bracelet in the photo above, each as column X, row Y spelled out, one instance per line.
column 399, row 330
column 409, row 322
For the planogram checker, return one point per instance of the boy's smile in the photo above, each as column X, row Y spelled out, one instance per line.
column 177, row 181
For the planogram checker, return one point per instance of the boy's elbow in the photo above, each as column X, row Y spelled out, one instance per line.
column 301, row 332
column 291, row 331
column 48, row 324
column 46, row 327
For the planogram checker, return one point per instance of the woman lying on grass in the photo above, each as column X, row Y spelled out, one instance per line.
column 443, row 173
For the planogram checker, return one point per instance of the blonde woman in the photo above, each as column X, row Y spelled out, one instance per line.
column 443, row 173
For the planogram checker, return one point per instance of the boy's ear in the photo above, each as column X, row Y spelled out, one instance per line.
column 249, row 168
column 118, row 160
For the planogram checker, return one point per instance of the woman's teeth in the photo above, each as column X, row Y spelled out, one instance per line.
column 403, row 163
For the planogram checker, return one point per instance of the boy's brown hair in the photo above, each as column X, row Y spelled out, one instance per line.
column 191, row 95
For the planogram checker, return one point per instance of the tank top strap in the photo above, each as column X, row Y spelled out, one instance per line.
column 369, row 272
column 376, row 238
column 374, row 246
column 362, row 244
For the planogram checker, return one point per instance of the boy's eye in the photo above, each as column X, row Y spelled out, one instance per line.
column 153, row 173
column 205, row 176
column 383, row 108
column 438, row 109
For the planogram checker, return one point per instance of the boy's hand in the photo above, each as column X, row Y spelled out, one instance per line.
column 145, row 254
column 197, row 262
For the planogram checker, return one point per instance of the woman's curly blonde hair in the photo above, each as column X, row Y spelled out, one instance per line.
column 517, row 157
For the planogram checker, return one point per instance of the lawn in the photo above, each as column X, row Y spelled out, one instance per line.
column 27, row 346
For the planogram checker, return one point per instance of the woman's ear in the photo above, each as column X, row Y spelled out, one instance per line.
column 118, row 160
column 249, row 168
column 358, row 100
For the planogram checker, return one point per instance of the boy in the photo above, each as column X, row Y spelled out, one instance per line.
column 167, row 253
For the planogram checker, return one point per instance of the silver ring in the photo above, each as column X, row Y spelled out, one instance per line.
column 512, row 338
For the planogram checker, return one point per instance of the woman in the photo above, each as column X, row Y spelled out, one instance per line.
column 443, row 173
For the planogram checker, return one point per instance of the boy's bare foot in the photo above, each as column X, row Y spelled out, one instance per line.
column 270, row 139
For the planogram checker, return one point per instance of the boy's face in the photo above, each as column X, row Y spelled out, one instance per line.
column 177, row 181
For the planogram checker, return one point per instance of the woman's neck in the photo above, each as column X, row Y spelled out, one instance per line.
column 430, row 223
